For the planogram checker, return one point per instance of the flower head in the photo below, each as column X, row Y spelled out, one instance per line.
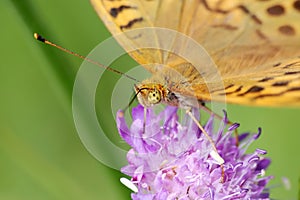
column 171, row 160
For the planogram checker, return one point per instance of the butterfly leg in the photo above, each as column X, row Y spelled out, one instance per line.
column 206, row 109
column 214, row 153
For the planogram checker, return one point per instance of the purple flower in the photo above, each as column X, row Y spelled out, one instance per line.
column 172, row 160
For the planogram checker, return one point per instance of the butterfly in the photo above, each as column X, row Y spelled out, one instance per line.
column 254, row 46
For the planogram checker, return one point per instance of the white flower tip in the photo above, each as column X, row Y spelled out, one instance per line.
column 217, row 157
column 262, row 172
column 129, row 184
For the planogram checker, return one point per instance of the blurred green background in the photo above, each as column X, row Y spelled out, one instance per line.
column 41, row 154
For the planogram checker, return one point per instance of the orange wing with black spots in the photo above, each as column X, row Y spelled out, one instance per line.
column 254, row 44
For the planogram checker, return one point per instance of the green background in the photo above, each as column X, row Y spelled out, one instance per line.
column 41, row 154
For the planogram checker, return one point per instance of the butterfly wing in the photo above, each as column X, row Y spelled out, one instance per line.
column 123, row 18
column 254, row 44
column 279, row 86
column 245, row 36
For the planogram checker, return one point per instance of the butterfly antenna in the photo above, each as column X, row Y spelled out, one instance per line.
column 133, row 98
column 42, row 39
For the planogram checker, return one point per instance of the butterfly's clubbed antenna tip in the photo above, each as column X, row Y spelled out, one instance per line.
column 39, row 37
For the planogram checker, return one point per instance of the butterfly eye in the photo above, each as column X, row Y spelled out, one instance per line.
column 154, row 97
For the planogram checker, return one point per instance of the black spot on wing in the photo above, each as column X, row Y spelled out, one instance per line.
column 115, row 11
column 276, row 10
column 291, row 64
column 131, row 23
column 253, row 89
column 241, row 7
column 266, row 79
column 287, row 30
column 293, row 89
column 297, row 5
column 277, row 64
column 292, row 73
column 280, row 83
column 253, row 16
column 229, row 86
column 235, row 91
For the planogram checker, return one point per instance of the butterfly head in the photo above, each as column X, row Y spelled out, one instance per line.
column 150, row 94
